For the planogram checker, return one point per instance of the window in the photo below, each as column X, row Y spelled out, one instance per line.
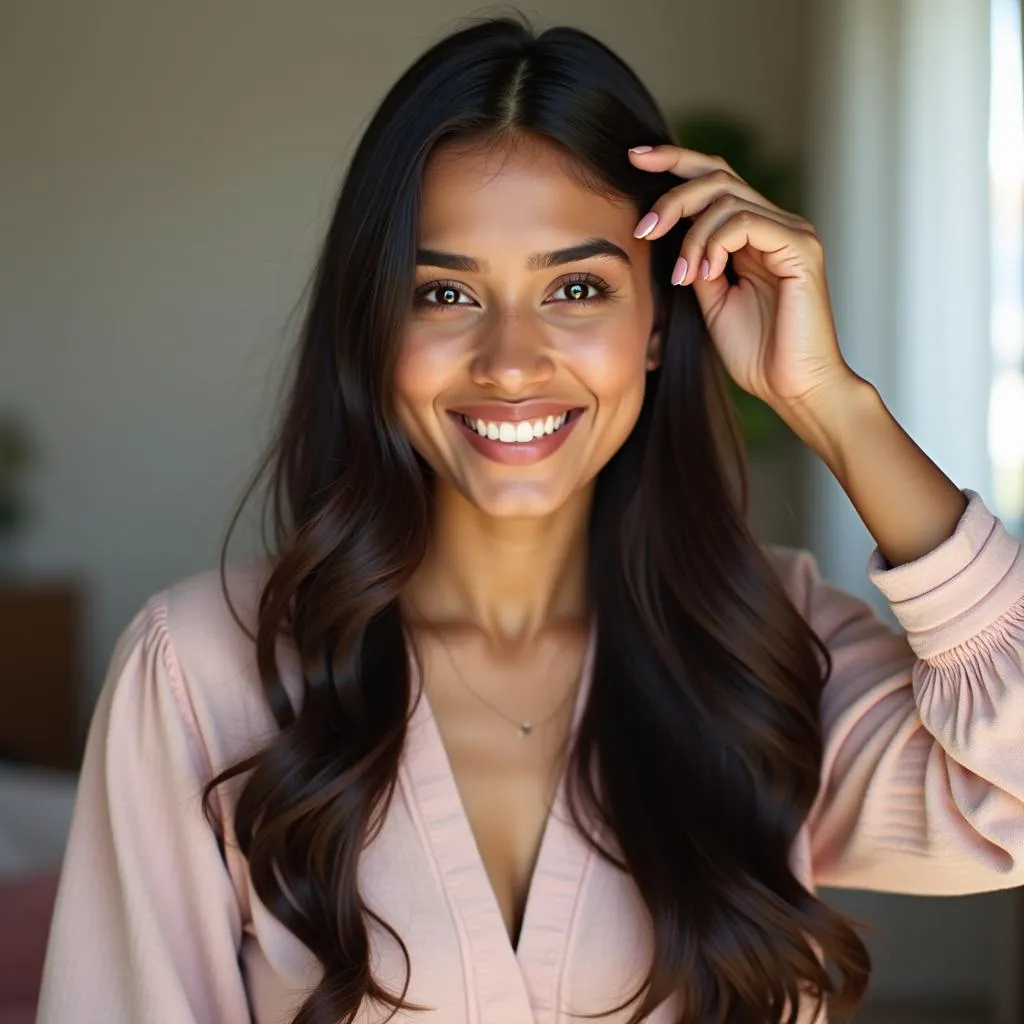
column 1006, row 178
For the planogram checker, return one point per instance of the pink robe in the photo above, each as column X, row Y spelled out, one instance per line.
column 921, row 792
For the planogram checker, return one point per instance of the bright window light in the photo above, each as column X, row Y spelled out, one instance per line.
column 1006, row 173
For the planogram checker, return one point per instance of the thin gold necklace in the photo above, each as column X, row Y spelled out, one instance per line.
column 523, row 726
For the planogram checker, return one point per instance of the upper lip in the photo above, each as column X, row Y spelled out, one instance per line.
column 508, row 412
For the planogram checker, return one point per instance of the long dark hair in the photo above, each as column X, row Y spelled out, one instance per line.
column 702, row 728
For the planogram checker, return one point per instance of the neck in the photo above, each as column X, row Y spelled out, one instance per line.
column 509, row 578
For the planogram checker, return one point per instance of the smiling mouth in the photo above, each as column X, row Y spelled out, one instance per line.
column 522, row 432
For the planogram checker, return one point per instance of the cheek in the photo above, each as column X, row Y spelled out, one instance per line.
column 614, row 368
column 611, row 359
column 423, row 369
column 410, row 388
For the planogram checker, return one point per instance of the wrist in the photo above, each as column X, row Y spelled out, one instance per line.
column 829, row 419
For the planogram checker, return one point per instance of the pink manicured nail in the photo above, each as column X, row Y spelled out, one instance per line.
column 641, row 149
column 679, row 271
column 646, row 226
column 705, row 269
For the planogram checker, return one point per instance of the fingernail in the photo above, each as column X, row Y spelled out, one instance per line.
column 646, row 226
column 679, row 271
column 641, row 149
column 705, row 269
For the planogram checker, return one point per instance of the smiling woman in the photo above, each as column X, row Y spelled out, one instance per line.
column 517, row 721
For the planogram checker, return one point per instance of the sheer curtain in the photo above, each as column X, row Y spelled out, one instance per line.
column 899, row 190
column 1006, row 177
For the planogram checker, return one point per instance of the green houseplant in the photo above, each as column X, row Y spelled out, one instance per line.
column 16, row 455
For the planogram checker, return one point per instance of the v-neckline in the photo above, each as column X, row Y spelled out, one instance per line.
column 525, row 978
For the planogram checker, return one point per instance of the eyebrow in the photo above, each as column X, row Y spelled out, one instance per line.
column 537, row 261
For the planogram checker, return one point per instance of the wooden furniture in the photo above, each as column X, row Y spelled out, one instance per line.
column 40, row 644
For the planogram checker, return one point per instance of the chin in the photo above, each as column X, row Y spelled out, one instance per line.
column 518, row 501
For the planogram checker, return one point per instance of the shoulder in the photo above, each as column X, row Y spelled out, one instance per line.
column 201, row 610
column 206, row 627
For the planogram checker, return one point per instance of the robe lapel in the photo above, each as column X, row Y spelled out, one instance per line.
column 503, row 986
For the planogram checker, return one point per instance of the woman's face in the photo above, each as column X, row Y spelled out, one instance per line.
column 533, row 300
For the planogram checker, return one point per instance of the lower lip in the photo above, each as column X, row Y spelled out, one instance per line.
column 518, row 453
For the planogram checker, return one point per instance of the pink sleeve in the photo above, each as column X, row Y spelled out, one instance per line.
column 146, row 926
column 922, row 786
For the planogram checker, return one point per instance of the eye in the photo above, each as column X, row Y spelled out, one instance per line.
column 440, row 294
column 582, row 290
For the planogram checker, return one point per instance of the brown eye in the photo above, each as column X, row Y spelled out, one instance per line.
column 577, row 291
column 442, row 293
column 581, row 291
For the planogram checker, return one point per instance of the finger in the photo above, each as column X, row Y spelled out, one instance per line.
column 686, row 163
column 790, row 250
column 697, row 247
column 690, row 198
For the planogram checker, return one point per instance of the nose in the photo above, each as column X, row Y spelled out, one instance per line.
column 512, row 356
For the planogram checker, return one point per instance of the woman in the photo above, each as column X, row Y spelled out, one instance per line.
column 518, row 721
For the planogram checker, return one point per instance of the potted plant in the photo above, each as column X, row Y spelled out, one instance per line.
column 16, row 455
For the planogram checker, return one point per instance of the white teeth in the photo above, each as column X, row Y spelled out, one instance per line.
column 516, row 433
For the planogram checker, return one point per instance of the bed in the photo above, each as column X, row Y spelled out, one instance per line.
column 35, row 812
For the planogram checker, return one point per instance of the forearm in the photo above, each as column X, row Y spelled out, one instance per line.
column 907, row 503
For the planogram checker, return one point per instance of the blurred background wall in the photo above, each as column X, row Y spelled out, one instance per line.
column 165, row 175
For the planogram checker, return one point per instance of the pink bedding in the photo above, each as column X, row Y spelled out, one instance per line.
column 26, row 904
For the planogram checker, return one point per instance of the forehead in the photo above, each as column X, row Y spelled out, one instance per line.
column 514, row 194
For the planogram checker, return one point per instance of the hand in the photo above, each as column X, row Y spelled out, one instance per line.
column 774, row 329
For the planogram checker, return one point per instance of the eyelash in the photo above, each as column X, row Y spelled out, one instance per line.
column 603, row 289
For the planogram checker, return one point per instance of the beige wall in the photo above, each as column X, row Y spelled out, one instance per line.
column 166, row 172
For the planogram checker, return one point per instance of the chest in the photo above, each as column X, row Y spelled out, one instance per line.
column 503, row 777
column 582, row 944
column 504, row 847
column 506, row 785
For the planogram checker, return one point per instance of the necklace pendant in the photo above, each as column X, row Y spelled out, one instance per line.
column 525, row 728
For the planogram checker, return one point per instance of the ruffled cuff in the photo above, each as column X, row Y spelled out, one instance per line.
column 958, row 589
